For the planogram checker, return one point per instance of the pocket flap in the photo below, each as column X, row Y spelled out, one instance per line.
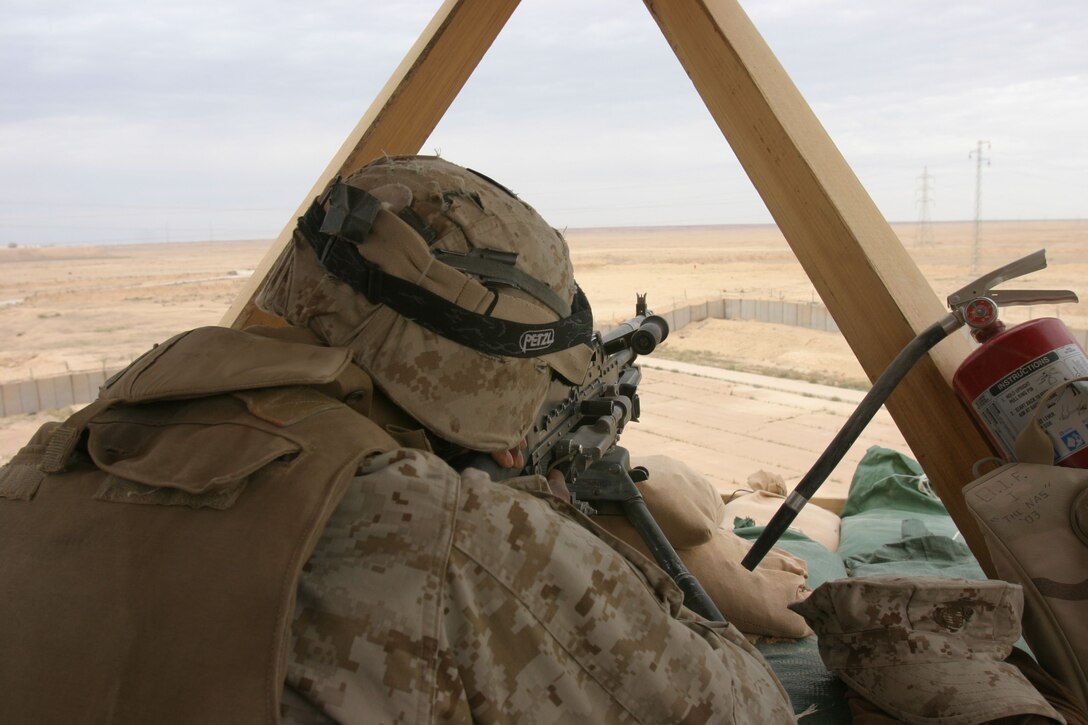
column 195, row 457
column 212, row 360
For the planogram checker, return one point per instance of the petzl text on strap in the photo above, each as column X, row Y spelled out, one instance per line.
column 351, row 212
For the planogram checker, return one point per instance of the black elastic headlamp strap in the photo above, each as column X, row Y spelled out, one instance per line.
column 351, row 213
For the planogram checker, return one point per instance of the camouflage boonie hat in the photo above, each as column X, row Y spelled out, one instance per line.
column 925, row 649
column 450, row 232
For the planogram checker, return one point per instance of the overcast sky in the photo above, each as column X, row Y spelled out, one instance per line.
column 127, row 121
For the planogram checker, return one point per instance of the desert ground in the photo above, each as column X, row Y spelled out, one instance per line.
column 79, row 308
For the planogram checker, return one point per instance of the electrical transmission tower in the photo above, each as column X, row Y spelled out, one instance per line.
column 979, row 158
column 924, row 233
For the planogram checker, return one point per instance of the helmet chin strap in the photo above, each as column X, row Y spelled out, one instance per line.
column 334, row 234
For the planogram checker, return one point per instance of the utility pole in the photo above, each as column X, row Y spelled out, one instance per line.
column 979, row 158
column 924, row 234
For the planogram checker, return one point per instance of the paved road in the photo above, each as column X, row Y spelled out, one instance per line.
column 729, row 425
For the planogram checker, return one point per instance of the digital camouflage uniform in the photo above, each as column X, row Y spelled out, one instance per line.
column 434, row 596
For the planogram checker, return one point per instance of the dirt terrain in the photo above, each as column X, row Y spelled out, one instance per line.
column 79, row 308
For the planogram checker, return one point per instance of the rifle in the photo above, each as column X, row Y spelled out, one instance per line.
column 577, row 432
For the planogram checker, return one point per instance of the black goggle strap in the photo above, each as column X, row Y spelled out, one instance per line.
column 351, row 213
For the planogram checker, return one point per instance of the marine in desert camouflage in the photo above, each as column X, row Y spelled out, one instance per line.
column 261, row 525
column 519, row 609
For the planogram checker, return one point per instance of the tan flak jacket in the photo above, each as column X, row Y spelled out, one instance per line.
column 152, row 578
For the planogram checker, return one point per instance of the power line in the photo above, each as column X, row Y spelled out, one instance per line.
column 979, row 158
column 924, row 233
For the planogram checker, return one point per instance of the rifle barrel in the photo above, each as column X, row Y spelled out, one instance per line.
column 641, row 333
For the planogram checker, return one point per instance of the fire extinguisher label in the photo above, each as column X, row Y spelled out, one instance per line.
column 1023, row 372
column 1008, row 404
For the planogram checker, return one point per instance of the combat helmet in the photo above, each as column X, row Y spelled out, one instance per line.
column 454, row 295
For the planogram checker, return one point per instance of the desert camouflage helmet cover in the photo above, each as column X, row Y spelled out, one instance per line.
column 467, row 239
column 926, row 649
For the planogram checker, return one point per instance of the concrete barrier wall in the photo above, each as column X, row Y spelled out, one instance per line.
column 31, row 396
column 796, row 314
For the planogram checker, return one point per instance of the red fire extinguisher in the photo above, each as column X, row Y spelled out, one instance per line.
column 1003, row 380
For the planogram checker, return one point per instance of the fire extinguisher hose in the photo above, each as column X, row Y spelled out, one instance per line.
column 846, row 436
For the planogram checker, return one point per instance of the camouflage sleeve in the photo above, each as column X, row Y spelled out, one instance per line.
column 434, row 596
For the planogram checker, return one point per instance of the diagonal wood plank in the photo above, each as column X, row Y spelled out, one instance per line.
column 402, row 117
column 877, row 295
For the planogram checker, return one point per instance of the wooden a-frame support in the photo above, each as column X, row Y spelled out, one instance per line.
column 873, row 289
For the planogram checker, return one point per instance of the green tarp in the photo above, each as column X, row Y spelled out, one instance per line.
column 894, row 524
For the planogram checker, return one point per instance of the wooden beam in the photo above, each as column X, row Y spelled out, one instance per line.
column 401, row 118
column 877, row 295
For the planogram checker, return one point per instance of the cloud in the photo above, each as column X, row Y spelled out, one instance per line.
column 206, row 111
